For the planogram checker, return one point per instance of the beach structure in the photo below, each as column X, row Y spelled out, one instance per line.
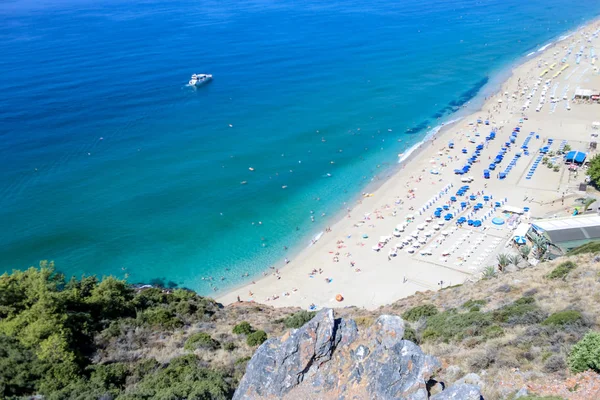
column 568, row 232
column 576, row 157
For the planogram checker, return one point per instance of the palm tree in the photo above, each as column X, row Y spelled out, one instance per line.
column 588, row 203
column 503, row 261
column 489, row 272
column 540, row 245
column 514, row 258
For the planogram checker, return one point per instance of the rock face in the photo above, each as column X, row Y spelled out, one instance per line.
column 329, row 358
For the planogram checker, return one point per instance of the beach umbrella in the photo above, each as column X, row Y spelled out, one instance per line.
column 365, row 236
column 445, row 232
column 415, row 234
column 421, row 227
column 520, row 240
column 441, row 223
column 376, row 248
column 410, row 216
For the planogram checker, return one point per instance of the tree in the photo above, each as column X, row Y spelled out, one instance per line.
column 586, row 354
column 111, row 298
column 594, row 170
column 588, row 202
column 503, row 261
column 20, row 368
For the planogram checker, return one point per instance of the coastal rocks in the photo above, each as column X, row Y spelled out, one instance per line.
column 459, row 392
column 471, row 379
column 329, row 358
column 510, row 268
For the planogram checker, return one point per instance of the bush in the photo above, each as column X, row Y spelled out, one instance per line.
column 562, row 270
column 555, row 363
column 418, row 312
column 592, row 247
column 242, row 360
column 493, row 331
column 298, row 319
column 585, row 354
column 410, row 334
column 243, row 328
column 201, row 340
column 256, row 338
column 474, row 305
column 160, row 316
column 522, row 311
column 229, row 346
column 561, row 318
column 451, row 325
column 364, row 321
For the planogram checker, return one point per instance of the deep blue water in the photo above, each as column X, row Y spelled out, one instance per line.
column 303, row 83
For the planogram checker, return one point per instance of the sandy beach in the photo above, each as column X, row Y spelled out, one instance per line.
column 390, row 244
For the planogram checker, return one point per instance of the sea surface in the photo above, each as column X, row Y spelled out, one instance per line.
column 111, row 164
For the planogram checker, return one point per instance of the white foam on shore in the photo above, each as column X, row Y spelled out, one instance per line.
column 431, row 133
column 315, row 239
column 530, row 54
column 545, row 47
column 560, row 39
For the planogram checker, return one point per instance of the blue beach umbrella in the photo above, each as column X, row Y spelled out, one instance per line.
column 520, row 240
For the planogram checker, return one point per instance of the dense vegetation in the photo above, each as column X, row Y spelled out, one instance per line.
column 51, row 327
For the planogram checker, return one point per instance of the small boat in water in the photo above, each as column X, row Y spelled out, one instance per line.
column 199, row 79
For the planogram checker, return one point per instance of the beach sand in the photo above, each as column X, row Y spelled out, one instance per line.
column 343, row 261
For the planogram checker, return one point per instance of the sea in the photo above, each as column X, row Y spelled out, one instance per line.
column 111, row 164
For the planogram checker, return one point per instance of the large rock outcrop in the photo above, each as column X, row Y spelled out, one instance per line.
column 329, row 358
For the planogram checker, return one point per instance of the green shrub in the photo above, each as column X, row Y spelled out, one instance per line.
column 450, row 325
column 160, row 316
column 522, row 311
column 298, row 319
column 410, row 334
column 474, row 305
column 562, row 270
column 201, row 340
column 183, row 378
column 493, row 331
column 561, row 318
column 592, row 247
column 243, row 328
column 242, row 360
column 585, row 354
column 229, row 346
column 256, row 338
column 364, row 321
column 418, row 312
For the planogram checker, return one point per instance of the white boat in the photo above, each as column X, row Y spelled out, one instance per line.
column 199, row 79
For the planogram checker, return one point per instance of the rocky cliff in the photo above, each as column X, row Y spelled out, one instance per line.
column 331, row 358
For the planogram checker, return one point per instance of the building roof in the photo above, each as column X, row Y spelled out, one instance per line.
column 569, row 229
column 576, row 156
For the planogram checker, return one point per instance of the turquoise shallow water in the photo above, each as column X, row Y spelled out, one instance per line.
column 111, row 164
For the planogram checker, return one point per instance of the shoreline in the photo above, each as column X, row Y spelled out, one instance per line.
column 496, row 85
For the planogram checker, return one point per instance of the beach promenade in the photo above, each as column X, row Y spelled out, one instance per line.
column 404, row 237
